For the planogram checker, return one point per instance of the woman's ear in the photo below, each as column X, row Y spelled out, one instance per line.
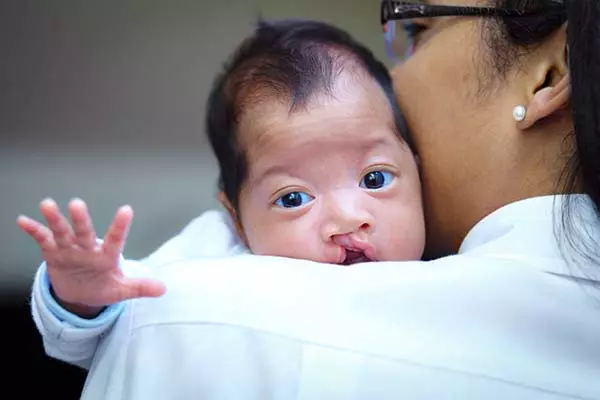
column 548, row 87
column 234, row 215
column 546, row 101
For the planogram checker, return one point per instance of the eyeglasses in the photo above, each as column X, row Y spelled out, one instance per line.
column 400, row 40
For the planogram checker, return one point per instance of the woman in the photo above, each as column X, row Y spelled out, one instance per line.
column 506, row 94
column 472, row 74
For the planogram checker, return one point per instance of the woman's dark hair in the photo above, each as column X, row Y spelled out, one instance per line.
column 511, row 37
column 290, row 60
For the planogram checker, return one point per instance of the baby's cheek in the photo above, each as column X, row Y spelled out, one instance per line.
column 414, row 246
column 273, row 239
column 270, row 244
column 294, row 239
column 404, row 235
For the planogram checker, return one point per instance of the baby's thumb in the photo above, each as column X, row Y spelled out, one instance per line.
column 136, row 288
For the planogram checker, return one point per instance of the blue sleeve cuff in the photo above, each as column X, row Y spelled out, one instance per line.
column 109, row 314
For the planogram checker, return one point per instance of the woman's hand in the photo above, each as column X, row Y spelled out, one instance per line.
column 85, row 275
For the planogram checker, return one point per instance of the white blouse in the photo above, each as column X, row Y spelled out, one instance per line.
column 506, row 318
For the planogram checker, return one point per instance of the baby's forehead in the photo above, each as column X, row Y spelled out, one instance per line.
column 322, row 119
column 330, row 120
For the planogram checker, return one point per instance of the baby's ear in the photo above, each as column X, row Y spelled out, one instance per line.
column 227, row 205
column 233, row 214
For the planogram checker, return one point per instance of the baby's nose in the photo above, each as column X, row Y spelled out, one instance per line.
column 348, row 218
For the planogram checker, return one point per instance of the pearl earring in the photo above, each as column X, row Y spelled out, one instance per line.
column 519, row 113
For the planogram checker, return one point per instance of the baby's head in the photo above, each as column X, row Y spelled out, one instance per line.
column 315, row 159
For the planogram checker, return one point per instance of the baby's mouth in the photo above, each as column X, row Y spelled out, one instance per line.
column 355, row 249
column 355, row 257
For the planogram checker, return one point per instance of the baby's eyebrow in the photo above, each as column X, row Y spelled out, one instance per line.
column 272, row 170
column 383, row 143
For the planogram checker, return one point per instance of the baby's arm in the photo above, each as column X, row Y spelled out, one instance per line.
column 79, row 290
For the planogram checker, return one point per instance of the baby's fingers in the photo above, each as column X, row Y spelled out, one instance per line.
column 85, row 236
column 58, row 224
column 39, row 233
column 115, row 237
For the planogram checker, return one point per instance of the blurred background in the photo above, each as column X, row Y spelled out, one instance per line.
column 104, row 100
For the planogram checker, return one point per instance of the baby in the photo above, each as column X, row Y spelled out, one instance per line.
column 315, row 163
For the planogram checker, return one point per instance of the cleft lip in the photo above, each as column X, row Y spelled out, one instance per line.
column 354, row 249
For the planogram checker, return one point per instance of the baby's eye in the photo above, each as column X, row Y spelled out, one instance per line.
column 376, row 180
column 293, row 200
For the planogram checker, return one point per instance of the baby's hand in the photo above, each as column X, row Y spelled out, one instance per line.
column 84, row 275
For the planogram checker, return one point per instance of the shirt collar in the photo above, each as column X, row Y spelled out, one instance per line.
column 528, row 230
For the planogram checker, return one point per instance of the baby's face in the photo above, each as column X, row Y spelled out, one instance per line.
column 331, row 183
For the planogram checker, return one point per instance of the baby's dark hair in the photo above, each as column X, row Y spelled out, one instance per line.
column 293, row 60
